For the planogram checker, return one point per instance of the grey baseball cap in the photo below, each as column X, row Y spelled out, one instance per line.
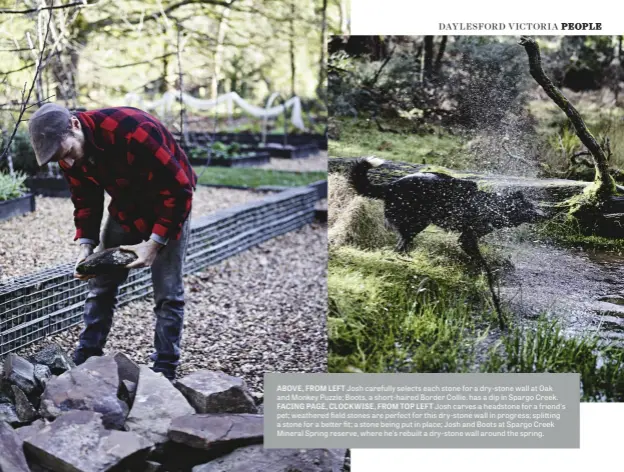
column 46, row 127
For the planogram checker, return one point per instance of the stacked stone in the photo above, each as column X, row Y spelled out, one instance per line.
column 111, row 414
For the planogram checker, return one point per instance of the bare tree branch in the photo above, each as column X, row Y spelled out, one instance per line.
column 603, row 177
column 51, row 7
column 26, row 98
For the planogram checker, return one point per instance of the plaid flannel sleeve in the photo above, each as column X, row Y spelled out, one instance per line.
column 175, row 191
column 88, row 200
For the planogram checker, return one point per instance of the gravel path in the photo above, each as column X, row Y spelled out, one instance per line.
column 45, row 238
column 316, row 162
column 263, row 310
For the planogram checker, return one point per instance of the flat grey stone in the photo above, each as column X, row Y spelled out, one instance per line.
column 20, row 372
column 77, row 441
column 127, row 391
column 24, row 409
column 207, row 431
column 91, row 386
column 8, row 414
column 257, row 459
column 26, row 432
column 156, row 403
column 127, row 368
column 55, row 358
column 42, row 375
column 12, row 458
column 216, row 392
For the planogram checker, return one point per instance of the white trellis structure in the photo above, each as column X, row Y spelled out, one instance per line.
column 164, row 105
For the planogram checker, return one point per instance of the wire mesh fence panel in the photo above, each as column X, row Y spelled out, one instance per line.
column 37, row 305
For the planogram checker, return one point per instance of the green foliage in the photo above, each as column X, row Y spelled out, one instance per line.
column 392, row 314
column 12, row 186
column 566, row 232
column 252, row 178
column 22, row 155
column 220, row 150
column 547, row 349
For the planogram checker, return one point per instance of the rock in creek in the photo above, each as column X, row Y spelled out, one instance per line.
column 105, row 262
column 24, row 409
column 156, row 403
column 78, row 441
column 20, row 372
column 257, row 459
column 55, row 358
column 216, row 392
column 91, row 386
column 12, row 457
column 208, row 431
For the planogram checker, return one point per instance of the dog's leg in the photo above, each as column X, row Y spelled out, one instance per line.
column 407, row 233
column 470, row 244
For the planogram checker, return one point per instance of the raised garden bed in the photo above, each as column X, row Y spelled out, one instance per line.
column 17, row 206
column 35, row 305
column 201, row 137
column 249, row 160
column 48, row 186
column 289, row 151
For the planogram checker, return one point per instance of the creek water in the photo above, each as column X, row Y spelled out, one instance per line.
column 583, row 290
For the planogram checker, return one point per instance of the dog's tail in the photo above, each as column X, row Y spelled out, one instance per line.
column 358, row 177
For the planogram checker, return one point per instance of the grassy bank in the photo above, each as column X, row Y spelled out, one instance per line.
column 429, row 313
column 252, row 178
column 361, row 137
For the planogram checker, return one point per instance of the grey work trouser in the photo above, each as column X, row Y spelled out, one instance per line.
column 168, row 298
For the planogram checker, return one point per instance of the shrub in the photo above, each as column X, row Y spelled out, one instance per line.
column 12, row 186
column 23, row 154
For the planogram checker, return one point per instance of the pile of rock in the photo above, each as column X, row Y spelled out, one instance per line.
column 111, row 414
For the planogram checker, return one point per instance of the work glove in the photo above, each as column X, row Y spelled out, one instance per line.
column 85, row 251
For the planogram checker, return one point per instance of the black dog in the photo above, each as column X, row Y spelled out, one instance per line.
column 415, row 201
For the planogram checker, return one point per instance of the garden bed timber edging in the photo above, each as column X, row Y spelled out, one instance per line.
column 50, row 301
column 205, row 137
column 257, row 158
column 17, row 206
column 48, row 186
column 289, row 151
column 320, row 186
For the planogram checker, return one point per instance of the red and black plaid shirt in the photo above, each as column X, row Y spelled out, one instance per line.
column 132, row 156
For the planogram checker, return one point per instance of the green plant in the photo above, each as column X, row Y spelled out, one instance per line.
column 252, row 177
column 12, row 186
column 547, row 349
column 22, row 155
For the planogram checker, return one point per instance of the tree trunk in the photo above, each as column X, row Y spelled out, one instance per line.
column 164, row 85
column 428, row 59
column 293, row 67
column 605, row 185
column 441, row 50
column 218, row 56
column 320, row 90
column 344, row 17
